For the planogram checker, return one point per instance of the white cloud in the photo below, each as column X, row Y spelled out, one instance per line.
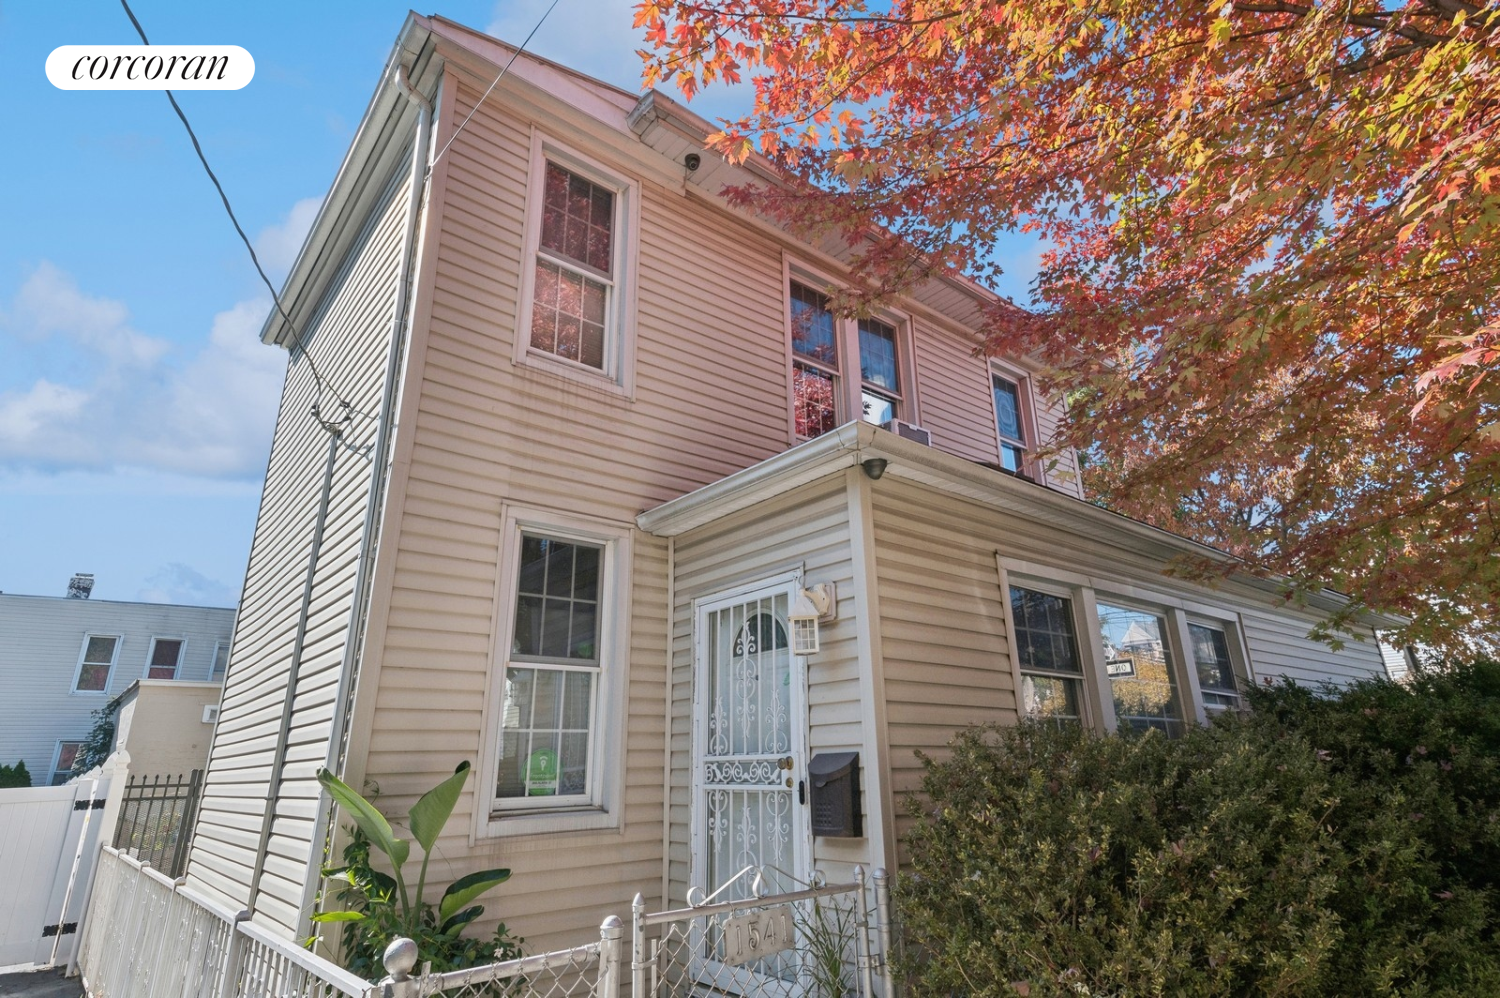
column 277, row 245
column 182, row 584
column 50, row 303
column 135, row 401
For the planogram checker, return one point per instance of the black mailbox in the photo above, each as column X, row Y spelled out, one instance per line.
column 835, row 794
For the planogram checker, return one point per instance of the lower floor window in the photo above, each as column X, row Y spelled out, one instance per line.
column 547, row 733
column 67, row 754
column 1215, row 668
column 1139, row 666
column 1047, row 648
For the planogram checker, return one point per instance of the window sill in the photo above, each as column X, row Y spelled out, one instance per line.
column 504, row 824
column 589, row 377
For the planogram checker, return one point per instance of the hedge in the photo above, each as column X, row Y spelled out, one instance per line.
column 1327, row 843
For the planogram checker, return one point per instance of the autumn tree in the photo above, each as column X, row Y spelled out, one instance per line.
column 1272, row 231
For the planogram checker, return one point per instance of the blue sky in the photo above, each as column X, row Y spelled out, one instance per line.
column 136, row 401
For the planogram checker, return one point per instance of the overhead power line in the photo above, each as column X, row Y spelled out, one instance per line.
column 320, row 383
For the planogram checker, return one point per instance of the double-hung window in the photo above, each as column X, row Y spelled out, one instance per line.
column 1046, row 648
column 576, row 303
column 551, row 698
column 96, row 662
column 879, row 372
column 1138, row 663
column 815, row 363
column 575, row 268
column 165, row 657
column 1216, row 673
column 1010, row 423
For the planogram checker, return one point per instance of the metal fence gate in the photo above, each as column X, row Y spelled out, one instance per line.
column 48, row 839
column 826, row 941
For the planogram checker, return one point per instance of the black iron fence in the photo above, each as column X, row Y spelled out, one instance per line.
column 156, row 820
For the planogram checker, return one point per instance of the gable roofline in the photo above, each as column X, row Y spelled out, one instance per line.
column 383, row 130
column 857, row 441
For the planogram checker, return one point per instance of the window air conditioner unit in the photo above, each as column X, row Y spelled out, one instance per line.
column 911, row 431
column 210, row 713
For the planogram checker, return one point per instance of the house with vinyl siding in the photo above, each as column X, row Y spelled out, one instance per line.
column 64, row 658
column 564, row 441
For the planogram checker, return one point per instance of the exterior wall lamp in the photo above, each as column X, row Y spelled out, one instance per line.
column 813, row 604
column 874, row 467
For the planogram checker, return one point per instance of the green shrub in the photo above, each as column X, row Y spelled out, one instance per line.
column 1292, row 852
column 378, row 906
column 14, row 776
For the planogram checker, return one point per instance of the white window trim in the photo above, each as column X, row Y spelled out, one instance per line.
column 496, row 818
column 618, row 375
column 57, row 757
column 151, row 653
column 1087, row 708
column 224, row 644
column 848, row 382
column 109, row 678
column 1085, row 591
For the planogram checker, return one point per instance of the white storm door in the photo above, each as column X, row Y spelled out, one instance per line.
column 750, row 724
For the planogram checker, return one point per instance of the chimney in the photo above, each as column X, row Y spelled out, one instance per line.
column 80, row 585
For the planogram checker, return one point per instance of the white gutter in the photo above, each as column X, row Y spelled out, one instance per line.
column 379, row 481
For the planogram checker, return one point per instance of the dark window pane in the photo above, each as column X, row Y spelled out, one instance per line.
column 528, row 639
column 877, row 354
column 585, row 572
column 812, row 326
column 555, row 615
column 100, row 650
column 166, row 653
column 1008, row 410
column 93, row 678
column 1044, row 640
column 578, row 219
column 556, row 605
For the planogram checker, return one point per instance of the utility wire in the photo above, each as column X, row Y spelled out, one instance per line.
column 319, row 382
column 503, row 70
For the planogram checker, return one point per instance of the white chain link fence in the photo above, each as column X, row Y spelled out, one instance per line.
column 147, row 936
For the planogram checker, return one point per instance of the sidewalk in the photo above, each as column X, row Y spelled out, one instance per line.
column 40, row 984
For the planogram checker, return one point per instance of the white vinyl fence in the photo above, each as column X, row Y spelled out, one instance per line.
column 48, row 839
column 148, row 936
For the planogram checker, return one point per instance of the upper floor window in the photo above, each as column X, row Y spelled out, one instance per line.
column 221, row 660
column 166, row 656
column 96, row 662
column 879, row 372
column 575, row 305
column 575, row 267
column 815, row 364
column 824, row 348
column 1010, row 424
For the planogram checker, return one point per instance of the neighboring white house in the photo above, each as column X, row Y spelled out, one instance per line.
column 62, row 658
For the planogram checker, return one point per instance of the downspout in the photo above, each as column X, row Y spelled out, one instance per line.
column 322, row 831
column 284, row 733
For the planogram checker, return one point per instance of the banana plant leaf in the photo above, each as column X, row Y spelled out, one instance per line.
column 431, row 813
column 369, row 820
column 454, row 925
column 466, row 889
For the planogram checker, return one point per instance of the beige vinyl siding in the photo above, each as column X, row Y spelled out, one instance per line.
column 946, row 655
column 348, row 340
column 954, row 389
column 805, row 529
column 489, row 431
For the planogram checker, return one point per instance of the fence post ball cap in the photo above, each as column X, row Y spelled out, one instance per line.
column 400, row 957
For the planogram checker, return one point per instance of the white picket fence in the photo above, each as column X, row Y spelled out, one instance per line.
column 146, row 936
